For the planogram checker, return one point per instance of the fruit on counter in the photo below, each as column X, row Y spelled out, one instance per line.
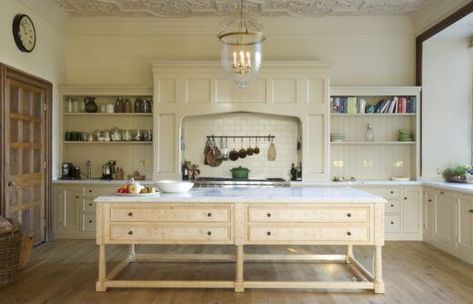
column 148, row 190
column 123, row 189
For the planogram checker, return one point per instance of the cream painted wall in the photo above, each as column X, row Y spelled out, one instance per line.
column 361, row 50
column 434, row 12
column 47, row 60
column 447, row 104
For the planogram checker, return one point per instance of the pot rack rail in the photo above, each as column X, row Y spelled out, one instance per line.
column 268, row 137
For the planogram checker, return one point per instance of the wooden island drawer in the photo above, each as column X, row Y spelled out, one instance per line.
column 308, row 214
column 307, row 234
column 156, row 232
column 171, row 214
column 386, row 192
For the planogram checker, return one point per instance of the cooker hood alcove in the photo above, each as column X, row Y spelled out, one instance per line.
column 284, row 89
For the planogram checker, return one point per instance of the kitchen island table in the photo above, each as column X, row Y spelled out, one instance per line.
column 239, row 217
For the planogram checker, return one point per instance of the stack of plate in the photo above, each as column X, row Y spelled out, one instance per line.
column 337, row 137
column 405, row 135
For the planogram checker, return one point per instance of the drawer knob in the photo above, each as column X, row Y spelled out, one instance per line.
column 268, row 233
column 429, row 200
column 130, row 213
column 348, row 233
column 209, row 232
column 349, row 214
column 392, row 205
column 90, row 221
column 209, row 214
column 471, row 210
column 392, row 192
column 90, row 204
column 405, row 198
column 441, row 192
column 392, row 223
column 77, row 197
column 90, row 191
column 130, row 232
column 268, row 215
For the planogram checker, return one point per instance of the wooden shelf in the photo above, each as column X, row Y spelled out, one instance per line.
column 108, row 114
column 108, row 142
column 375, row 114
column 373, row 142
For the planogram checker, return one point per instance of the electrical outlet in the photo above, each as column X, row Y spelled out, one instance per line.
column 143, row 162
column 368, row 163
column 398, row 164
column 338, row 163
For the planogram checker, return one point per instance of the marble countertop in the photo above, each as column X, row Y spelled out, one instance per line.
column 355, row 183
column 101, row 182
column 255, row 195
column 465, row 188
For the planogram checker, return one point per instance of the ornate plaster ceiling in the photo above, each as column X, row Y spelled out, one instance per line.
column 190, row 8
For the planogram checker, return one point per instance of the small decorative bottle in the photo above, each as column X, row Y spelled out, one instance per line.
column 369, row 134
column 293, row 173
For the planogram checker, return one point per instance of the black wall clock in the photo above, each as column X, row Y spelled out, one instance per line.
column 24, row 33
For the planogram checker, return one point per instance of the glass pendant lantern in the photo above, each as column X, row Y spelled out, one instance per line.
column 241, row 47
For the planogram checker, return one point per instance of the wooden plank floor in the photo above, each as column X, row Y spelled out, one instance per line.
column 65, row 272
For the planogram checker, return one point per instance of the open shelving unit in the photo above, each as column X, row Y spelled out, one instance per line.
column 384, row 157
column 130, row 155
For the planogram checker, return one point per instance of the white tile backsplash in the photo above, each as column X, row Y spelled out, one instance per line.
column 285, row 129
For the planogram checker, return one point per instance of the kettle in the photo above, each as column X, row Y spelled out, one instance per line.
column 109, row 169
column 90, row 105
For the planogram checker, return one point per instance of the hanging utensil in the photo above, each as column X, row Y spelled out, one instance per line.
column 206, row 150
column 256, row 149
column 214, row 156
column 234, row 153
column 242, row 152
column 225, row 150
column 272, row 151
column 250, row 150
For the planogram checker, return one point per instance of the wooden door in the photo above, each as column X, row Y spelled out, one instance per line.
column 26, row 152
column 445, row 212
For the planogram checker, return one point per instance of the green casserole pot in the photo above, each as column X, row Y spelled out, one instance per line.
column 240, row 172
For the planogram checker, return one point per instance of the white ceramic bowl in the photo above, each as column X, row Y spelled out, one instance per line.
column 172, row 186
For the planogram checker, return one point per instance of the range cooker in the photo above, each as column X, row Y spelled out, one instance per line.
column 222, row 182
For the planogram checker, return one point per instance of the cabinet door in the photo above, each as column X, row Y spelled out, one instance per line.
column 67, row 204
column 465, row 233
column 411, row 210
column 428, row 213
column 444, row 230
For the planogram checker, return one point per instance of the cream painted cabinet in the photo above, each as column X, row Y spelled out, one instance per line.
column 67, row 200
column 449, row 222
column 445, row 213
column 403, row 218
column 74, row 209
column 428, row 212
column 465, row 232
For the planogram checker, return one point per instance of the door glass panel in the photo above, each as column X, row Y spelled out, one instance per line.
column 37, row 105
column 26, row 131
column 36, row 161
column 37, row 193
column 26, row 105
column 14, row 161
column 26, row 163
column 26, row 221
column 37, row 132
column 14, row 100
column 14, row 130
column 13, row 198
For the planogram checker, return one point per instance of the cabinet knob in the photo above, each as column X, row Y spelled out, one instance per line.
column 392, row 223
column 268, row 233
column 349, row 214
column 405, row 198
column 348, row 233
column 441, row 192
column 130, row 213
column 90, row 204
column 268, row 215
column 471, row 210
column 392, row 205
column 90, row 221
column 392, row 192
column 429, row 200
column 209, row 232
column 130, row 232
column 209, row 214
column 90, row 191
column 77, row 197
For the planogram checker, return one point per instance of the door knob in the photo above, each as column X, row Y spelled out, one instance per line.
column 13, row 185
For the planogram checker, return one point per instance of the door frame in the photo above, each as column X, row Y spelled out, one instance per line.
column 13, row 73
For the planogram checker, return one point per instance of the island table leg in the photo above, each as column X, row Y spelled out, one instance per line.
column 239, row 286
column 378, row 271
column 349, row 254
column 100, row 285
